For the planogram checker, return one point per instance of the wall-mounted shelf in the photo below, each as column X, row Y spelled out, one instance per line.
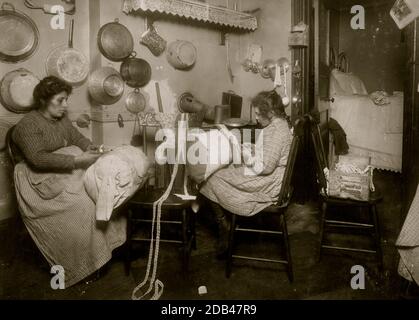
column 195, row 10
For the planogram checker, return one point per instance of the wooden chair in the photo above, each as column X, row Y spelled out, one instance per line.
column 276, row 211
column 176, row 213
column 328, row 202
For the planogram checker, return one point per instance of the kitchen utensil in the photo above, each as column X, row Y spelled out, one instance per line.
column 284, row 63
column 135, row 102
column 135, row 71
column 236, row 122
column 222, row 112
column 67, row 63
column 153, row 41
column 115, row 41
column 159, row 102
column 247, row 65
column 282, row 67
column 120, row 121
column 83, row 120
column 267, row 68
column 229, row 69
column 181, row 54
column 68, row 6
column 106, row 85
column 16, row 89
column 187, row 103
column 19, row 36
column 137, row 138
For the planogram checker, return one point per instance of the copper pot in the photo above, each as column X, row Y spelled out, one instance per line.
column 106, row 85
column 135, row 71
column 115, row 41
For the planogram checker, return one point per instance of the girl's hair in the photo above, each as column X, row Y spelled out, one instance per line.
column 270, row 101
column 47, row 88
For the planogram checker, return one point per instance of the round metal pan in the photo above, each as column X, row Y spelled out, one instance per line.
column 19, row 36
column 236, row 122
column 67, row 63
column 115, row 41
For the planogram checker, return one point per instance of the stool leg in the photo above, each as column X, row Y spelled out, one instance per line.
column 128, row 244
column 287, row 247
column 377, row 236
column 322, row 227
column 185, row 241
column 230, row 245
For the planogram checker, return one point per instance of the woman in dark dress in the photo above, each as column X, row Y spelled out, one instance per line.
column 56, row 210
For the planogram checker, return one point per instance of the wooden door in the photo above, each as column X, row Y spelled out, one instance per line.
column 410, row 165
column 322, row 65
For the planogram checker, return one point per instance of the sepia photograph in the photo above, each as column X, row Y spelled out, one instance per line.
column 212, row 155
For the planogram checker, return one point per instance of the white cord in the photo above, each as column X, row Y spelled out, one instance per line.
column 154, row 256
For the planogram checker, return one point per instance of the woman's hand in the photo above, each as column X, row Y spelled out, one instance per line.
column 86, row 159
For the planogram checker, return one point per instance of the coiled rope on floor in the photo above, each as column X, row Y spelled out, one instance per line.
column 153, row 254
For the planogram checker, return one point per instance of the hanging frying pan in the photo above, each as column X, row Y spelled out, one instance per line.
column 16, row 88
column 115, row 41
column 19, row 36
column 67, row 63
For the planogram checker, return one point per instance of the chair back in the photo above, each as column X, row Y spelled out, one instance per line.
column 286, row 187
column 320, row 155
column 12, row 149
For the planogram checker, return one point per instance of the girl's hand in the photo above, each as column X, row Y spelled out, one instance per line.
column 248, row 151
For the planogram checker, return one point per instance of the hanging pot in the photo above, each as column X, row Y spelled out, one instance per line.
column 267, row 68
column 16, row 90
column 115, row 41
column 19, row 36
column 67, row 63
column 135, row 71
column 181, row 54
column 135, row 101
column 106, row 85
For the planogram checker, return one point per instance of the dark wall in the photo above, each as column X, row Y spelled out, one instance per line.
column 375, row 54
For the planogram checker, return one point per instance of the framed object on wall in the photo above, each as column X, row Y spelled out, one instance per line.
column 404, row 12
